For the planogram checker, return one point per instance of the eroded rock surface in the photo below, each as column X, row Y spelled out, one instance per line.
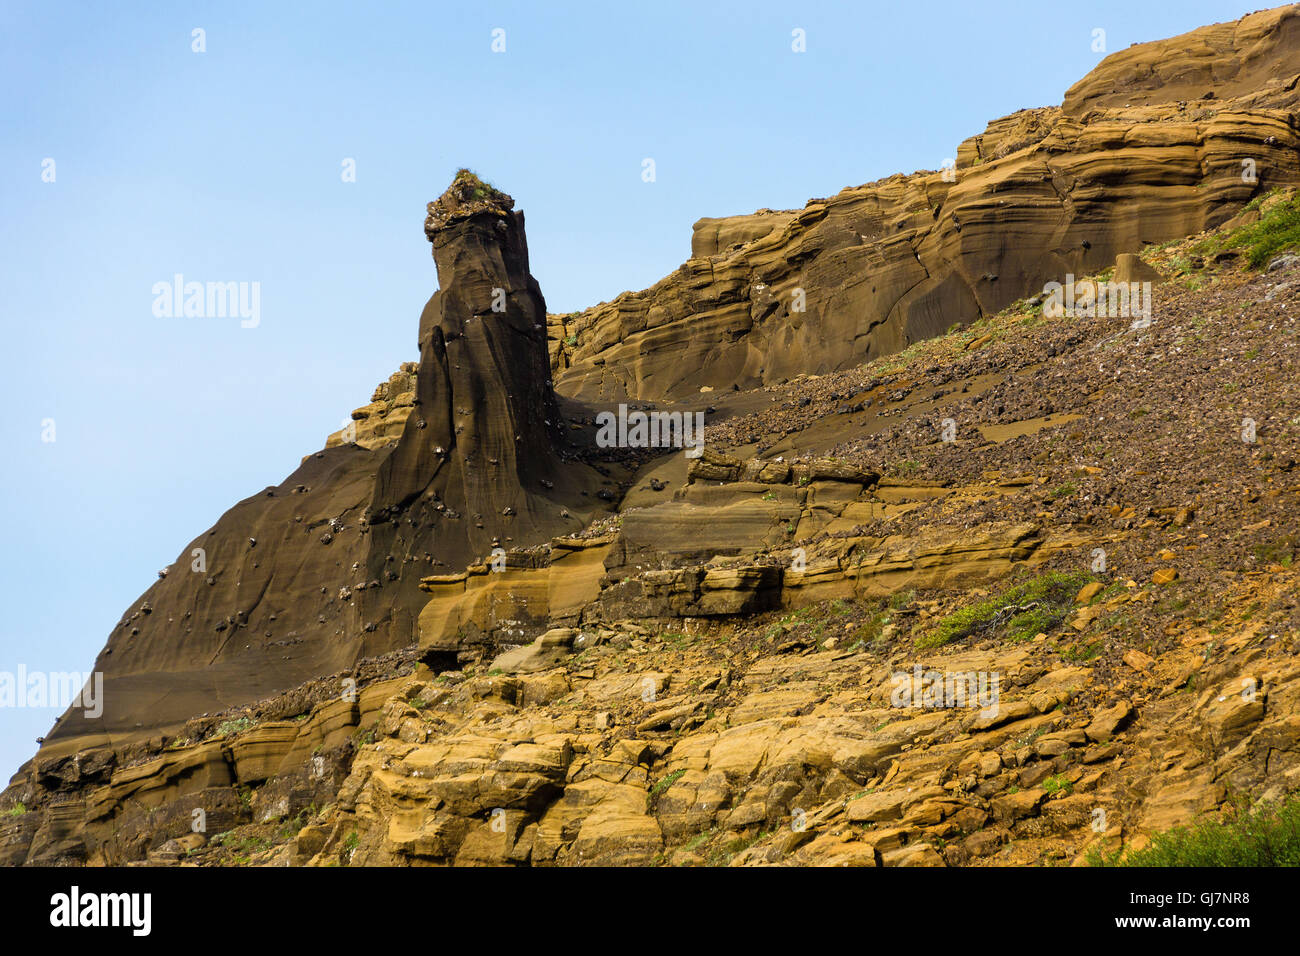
column 454, row 456
column 461, row 635
column 1147, row 148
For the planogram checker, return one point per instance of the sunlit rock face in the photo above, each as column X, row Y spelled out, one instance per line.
column 1161, row 140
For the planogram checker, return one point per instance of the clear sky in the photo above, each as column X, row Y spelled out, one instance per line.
column 227, row 165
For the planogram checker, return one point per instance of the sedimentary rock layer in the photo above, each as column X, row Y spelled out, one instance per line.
column 306, row 577
column 1159, row 141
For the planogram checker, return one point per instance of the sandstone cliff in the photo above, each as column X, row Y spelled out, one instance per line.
column 711, row 673
column 306, row 577
column 1147, row 148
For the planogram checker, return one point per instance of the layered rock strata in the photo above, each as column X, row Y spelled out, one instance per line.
column 1160, row 141
column 453, row 457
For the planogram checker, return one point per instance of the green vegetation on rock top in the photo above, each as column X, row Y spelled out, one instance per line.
column 479, row 189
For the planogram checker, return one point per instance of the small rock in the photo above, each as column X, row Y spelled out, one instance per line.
column 1107, row 721
column 1137, row 660
column 1088, row 592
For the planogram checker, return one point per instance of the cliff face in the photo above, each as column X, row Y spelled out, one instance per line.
column 306, row 577
column 723, row 655
column 480, row 462
column 1147, row 148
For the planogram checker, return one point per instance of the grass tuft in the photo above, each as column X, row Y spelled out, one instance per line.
column 1278, row 230
column 477, row 188
column 1017, row 614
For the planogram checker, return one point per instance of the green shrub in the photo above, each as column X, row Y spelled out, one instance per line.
column 1267, row 834
column 1059, row 782
column 229, row 728
column 478, row 188
column 1277, row 231
column 1017, row 614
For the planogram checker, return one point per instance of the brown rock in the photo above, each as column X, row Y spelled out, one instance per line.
column 1011, row 807
column 1108, row 721
column 1088, row 592
column 1137, row 660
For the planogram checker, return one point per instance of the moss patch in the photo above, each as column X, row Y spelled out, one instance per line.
column 1017, row 614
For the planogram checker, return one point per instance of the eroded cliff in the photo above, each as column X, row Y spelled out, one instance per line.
column 1148, row 147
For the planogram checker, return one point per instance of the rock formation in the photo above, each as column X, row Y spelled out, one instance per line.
column 1148, row 147
column 305, row 578
column 432, row 644
column 480, row 463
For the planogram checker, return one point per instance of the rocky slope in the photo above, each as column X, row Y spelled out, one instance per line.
column 309, row 576
column 1148, row 147
column 462, row 633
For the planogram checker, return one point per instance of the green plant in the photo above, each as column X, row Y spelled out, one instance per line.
column 17, row 810
column 1057, row 784
column 666, row 782
column 734, row 847
column 1019, row 613
column 1277, row 230
column 1081, row 652
column 290, row 827
column 1063, row 491
column 696, row 841
column 901, row 599
column 478, row 188
column 677, row 639
column 240, row 847
column 1267, row 834
column 229, row 728
column 652, row 796
column 1282, row 551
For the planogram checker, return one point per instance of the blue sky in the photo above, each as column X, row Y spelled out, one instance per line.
column 226, row 165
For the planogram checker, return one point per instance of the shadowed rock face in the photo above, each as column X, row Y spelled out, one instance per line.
column 478, row 462
column 1147, row 148
column 305, row 578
